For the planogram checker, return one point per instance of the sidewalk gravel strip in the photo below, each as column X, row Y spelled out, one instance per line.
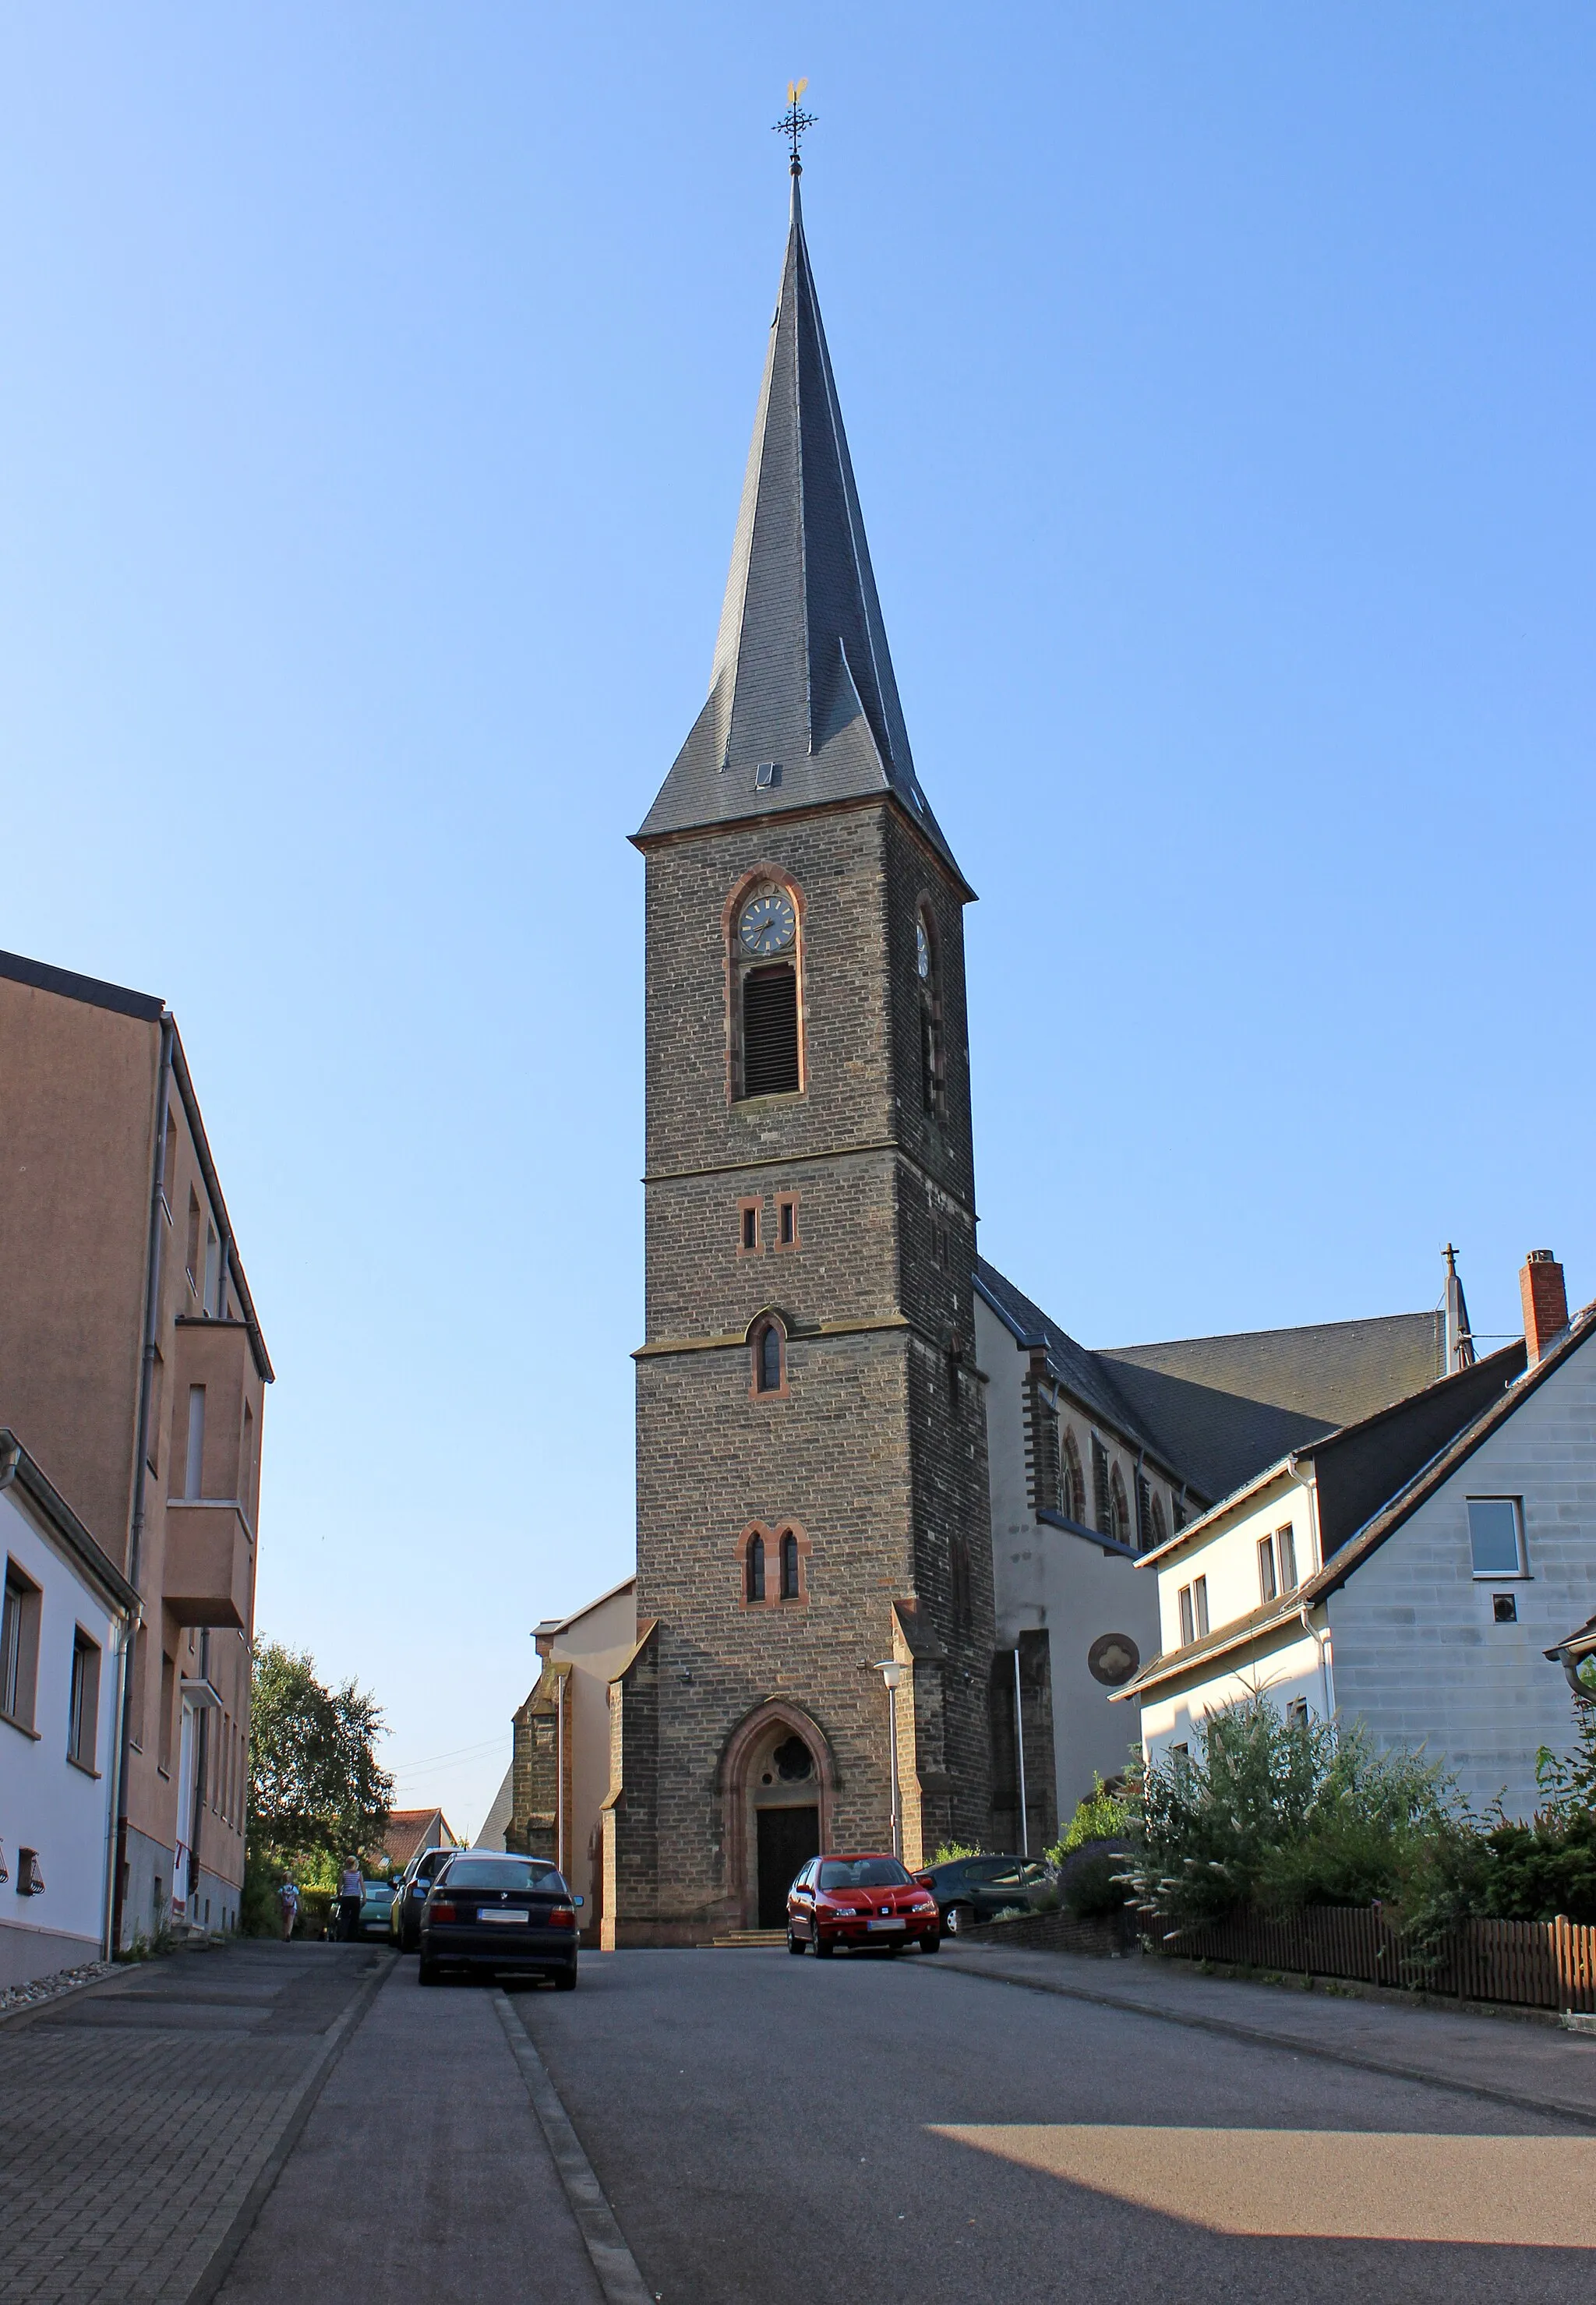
column 1296, row 2044
column 297, row 2111
column 613, row 2261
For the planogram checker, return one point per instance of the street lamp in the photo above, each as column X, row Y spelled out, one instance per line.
column 892, row 1672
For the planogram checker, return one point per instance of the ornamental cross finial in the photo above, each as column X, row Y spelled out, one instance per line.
column 794, row 120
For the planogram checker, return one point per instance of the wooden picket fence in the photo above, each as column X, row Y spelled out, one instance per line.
column 1534, row 1964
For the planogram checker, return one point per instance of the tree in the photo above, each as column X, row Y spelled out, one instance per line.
column 317, row 1791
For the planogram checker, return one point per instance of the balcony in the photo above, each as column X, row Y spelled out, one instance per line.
column 209, row 1563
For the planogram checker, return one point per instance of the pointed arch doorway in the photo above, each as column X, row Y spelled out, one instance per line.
column 778, row 1782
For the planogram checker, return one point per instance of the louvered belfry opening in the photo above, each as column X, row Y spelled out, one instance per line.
column 770, row 1030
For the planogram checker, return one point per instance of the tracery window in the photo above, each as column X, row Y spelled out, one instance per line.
column 1119, row 1511
column 1074, row 1482
column 768, row 1373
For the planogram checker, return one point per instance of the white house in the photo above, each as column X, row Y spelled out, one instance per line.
column 1419, row 1570
column 63, row 1636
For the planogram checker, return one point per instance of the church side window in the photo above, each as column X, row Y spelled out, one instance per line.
column 754, row 1573
column 1159, row 1531
column 1074, row 1481
column 789, row 1565
column 767, row 1355
column 767, row 1058
column 1102, row 1514
column 1119, row 1510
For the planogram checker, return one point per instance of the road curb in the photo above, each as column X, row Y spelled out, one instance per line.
column 605, row 2244
column 339, row 2035
column 1257, row 2036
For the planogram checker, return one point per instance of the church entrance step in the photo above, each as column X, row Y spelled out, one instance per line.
column 735, row 1940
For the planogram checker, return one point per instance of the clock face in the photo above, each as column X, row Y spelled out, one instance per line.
column 768, row 923
column 923, row 951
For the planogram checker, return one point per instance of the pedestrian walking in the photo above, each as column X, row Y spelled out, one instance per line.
column 288, row 1905
column 352, row 1896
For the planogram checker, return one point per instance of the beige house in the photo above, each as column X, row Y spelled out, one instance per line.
column 132, row 1370
column 560, row 1780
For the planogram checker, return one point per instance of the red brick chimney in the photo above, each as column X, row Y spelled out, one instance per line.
column 1545, row 1302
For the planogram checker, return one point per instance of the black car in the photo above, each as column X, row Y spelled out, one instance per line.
column 404, row 1919
column 969, row 1889
column 491, row 1912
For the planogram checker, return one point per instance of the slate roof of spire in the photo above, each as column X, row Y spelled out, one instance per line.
column 801, row 675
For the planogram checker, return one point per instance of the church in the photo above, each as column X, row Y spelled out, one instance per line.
column 888, row 1513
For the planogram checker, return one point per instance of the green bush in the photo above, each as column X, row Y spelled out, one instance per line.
column 1096, row 1886
column 1279, row 1814
column 1104, row 1814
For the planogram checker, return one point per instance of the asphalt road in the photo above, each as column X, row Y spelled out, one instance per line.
column 772, row 2131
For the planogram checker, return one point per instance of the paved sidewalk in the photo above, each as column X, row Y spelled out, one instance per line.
column 1529, row 2065
column 422, row 2173
column 136, row 2117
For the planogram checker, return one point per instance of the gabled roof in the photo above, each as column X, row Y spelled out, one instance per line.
column 1227, row 1407
column 1071, row 1366
column 802, row 677
column 1400, row 1506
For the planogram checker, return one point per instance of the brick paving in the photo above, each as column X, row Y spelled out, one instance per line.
column 135, row 2118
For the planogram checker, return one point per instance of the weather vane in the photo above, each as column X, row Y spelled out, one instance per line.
column 794, row 120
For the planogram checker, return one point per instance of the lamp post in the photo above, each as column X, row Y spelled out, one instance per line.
column 892, row 1672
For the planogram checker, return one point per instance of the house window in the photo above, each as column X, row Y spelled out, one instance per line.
column 158, row 1388
column 140, row 1668
column 789, row 1566
column 1188, row 1623
column 1268, row 1586
column 767, row 1371
column 246, row 1485
column 1285, row 1551
column 1496, row 1537
column 748, row 1228
column 194, row 1464
column 191, row 1259
column 168, row 1708
column 19, row 1647
column 1200, row 1604
column 787, row 1221
column 754, row 1582
column 169, row 1163
column 213, row 1273
column 83, row 1727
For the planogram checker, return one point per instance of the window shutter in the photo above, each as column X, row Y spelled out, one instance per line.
column 770, row 1031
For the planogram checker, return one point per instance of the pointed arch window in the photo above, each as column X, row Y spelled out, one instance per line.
column 1074, row 1481
column 789, row 1565
column 1119, row 1511
column 769, row 1357
column 767, row 1038
column 933, row 1087
column 753, row 1575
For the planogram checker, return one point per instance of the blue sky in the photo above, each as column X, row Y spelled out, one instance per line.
column 377, row 387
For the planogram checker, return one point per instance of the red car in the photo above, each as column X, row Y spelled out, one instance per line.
column 867, row 1899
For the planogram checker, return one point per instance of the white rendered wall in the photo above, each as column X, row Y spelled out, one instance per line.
column 46, row 1802
column 1416, row 1650
column 1285, row 1673
column 1226, row 1554
column 1047, row 1579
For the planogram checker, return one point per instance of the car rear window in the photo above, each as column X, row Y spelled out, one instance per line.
column 862, row 1873
column 501, row 1873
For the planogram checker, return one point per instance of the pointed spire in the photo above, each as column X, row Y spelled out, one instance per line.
column 1460, row 1341
column 803, row 702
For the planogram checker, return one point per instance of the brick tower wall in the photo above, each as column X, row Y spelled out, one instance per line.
column 874, row 1449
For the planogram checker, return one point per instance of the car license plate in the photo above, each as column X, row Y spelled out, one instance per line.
column 493, row 1913
column 885, row 1925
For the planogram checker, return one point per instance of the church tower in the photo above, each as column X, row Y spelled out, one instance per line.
column 812, row 1470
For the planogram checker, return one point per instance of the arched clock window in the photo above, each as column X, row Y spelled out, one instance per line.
column 932, row 1082
column 766, row 1060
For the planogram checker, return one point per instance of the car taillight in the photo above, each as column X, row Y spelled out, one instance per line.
column 445, row 1913
column 563, row 1917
